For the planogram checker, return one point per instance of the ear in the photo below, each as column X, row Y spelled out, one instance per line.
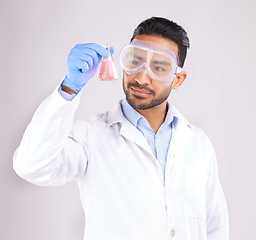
column 179, row 79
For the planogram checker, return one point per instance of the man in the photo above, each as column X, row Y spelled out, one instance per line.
column 144, row 172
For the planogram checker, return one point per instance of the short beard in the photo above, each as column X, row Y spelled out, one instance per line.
column 143, row 106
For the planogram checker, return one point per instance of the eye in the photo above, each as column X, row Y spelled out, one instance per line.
column 134, row 62
column 159, row 69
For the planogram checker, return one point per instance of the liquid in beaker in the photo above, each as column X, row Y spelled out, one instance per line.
column 107, row 69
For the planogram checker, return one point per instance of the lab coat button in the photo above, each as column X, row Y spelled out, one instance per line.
column 172, row 233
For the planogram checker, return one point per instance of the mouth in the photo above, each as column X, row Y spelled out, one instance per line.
column 140, row 92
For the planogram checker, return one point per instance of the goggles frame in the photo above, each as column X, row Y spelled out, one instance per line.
column 155, row 48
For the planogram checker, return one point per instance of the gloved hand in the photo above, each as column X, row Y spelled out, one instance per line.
column 82, row 64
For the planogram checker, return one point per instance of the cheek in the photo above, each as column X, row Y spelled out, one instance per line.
column 163, row 88
column 125, row 78
column 128, row 78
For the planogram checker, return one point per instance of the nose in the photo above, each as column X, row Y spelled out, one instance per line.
column 142, row 77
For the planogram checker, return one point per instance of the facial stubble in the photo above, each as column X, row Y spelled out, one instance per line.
column 137, row 102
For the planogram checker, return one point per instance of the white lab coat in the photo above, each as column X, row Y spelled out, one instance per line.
column 121, row 183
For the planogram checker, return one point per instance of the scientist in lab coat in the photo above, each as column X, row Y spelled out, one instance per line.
column 143, row 171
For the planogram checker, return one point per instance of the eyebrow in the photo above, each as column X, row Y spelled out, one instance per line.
column 155, row 62
column 162, row 63
column 139, row 57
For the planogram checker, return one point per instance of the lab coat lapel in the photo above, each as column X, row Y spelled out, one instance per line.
column 133, row 134
column 127, row 130
column 181, row 135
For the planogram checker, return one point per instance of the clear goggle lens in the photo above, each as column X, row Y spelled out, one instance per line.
column 160, row 62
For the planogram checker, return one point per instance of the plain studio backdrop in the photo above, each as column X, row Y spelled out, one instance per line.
column 218, row 96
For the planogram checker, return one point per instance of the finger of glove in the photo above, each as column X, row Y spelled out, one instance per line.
column 75, row 63
column 90, row 57
column 97, row 48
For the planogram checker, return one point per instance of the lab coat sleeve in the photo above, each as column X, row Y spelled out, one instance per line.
column 50, row 152
column 217, row 214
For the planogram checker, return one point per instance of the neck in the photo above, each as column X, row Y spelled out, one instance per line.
column 155, row 116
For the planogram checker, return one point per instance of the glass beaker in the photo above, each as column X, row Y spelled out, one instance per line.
column 107, row 69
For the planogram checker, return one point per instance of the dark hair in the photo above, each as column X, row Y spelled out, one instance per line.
column 167, row 29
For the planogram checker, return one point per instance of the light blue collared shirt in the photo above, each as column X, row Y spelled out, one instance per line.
column 159, row 142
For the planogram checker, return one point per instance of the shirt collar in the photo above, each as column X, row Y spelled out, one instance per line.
column 116, row 115
column 130, row 113
column 135, row 117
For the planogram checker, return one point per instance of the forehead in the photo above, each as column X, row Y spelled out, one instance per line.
column 144, row 55
column 159, row 40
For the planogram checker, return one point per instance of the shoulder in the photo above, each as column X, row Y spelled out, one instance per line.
column 199, row 135
column 100, row 121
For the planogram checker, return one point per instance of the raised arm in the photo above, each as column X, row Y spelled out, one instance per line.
column 52, row 150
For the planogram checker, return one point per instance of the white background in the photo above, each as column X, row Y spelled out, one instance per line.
column 218, row 96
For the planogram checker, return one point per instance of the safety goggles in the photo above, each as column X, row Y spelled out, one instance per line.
column 159, row 62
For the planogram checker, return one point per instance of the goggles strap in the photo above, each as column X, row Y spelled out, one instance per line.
column 178, row 70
